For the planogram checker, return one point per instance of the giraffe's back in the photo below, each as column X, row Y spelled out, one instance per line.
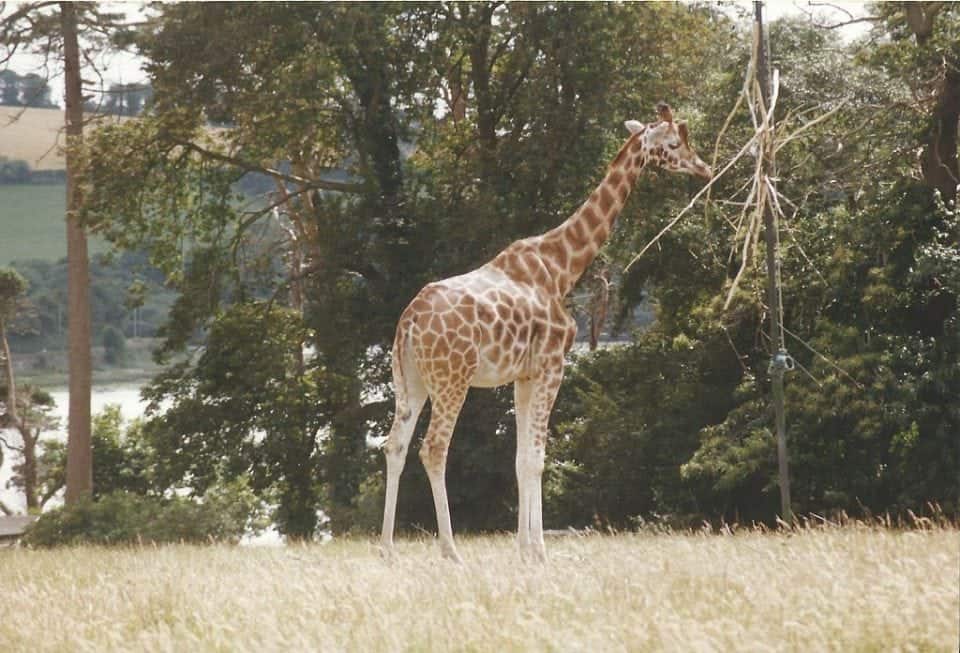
column 482, row 328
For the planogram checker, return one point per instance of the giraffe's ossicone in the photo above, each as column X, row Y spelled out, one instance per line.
column 505, row 322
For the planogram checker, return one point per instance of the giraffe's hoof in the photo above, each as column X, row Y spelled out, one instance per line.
column 387, row 552
column 532, row 553
column 451, row 554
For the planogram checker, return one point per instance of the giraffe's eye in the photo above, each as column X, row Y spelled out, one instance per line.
column 673, row 146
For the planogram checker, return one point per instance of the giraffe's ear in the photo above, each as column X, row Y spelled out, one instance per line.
column 664, row 112
column 634, row 126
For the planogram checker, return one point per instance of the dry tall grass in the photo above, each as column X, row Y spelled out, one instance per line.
column 829, row 590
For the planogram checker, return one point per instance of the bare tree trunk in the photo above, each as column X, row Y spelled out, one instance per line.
column 599, row 304
column 8, row 374
column 79, row 450
column 29, row 470
column 778, row 365
column 939, row 159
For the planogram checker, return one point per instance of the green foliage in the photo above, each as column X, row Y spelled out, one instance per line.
column 222, row 514
column 453, row 129
column 30, row 90
column 247, row 407
column 114, row 345
column 12, row 287
column 45, row 326
column 14, row 171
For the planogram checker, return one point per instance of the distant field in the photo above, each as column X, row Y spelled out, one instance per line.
column 834, row 590
column 31, row 223
column 34, row 136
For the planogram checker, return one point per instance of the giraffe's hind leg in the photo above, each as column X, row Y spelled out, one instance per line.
column 444, row 408
column 409, row 403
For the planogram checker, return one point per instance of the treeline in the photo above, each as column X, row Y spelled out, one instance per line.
column 18, row 171
column 127, row 300
column 512, row 112
column 33, row 90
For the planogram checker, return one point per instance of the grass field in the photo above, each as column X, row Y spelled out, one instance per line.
column 31, row 223
column 850, row 589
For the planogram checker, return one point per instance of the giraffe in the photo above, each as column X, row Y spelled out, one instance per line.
column 506, row 322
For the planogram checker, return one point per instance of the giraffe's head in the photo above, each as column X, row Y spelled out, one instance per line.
column 667, row 143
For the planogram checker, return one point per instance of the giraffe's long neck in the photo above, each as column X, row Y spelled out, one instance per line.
column 573, row 245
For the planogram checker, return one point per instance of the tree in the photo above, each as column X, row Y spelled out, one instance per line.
column 246, row 409
column 25, row 410
column 56, row 36
column 396, row 214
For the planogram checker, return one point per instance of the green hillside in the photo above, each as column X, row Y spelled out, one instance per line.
column 31, row 223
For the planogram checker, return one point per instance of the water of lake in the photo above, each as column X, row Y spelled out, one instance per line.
column 126, row 396
column 131, row 406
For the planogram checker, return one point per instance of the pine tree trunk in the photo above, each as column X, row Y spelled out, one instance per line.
column 79, row 450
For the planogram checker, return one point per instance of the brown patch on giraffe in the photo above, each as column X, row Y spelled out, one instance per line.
column 636, row 145
column 621, row 155
column 471, row 357
column 606, row 200
column 440, row 349
column 433, row 452
column 614, row 178
column 497, row 330
column 484, row 313
column 576, row 233
column 503, row 311
column 592, row 218
column 420, row 305
column 461, row 344
column 638, row 161
column 582, row 260
column 622, row 192
column 541, row 277
column 465, row 331
column 450, row 320
column 515, row 265
column 522, row 333
column 556, row 338
column 468, row 313
column 554, row 252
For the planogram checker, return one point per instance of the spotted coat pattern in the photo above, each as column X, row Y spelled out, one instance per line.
column 506, row 322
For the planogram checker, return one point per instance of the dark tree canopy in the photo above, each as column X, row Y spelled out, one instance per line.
column 400, row 143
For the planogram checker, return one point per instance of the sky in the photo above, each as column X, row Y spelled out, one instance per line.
column 124, row 67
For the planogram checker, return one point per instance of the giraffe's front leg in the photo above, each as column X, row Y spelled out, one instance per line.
column 522, row 398
column 533, row 417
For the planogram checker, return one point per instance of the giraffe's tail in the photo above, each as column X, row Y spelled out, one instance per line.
column 400, row 389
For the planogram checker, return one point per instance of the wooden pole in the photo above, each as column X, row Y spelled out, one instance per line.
column 781, row 361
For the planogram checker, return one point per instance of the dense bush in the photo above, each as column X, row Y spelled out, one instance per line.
column 224, row 514
column 114, row 346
